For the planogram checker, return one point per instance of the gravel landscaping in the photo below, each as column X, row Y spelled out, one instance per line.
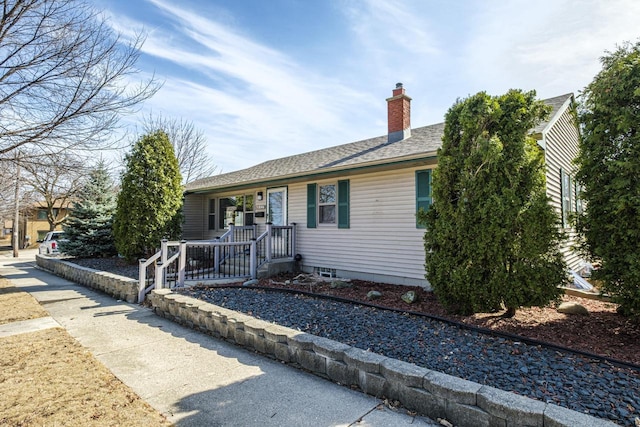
column 575, row 382
column 113, row 265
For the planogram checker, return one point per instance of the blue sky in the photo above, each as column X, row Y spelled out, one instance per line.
column 269, row 78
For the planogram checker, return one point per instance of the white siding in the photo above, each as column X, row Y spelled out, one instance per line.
column 382, row 241
column 561, row 147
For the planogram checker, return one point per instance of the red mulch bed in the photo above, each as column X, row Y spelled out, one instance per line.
column 602, row 332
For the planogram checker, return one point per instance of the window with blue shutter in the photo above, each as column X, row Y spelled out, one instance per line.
column 423, row 192
column 311, row 205
column 343, row 204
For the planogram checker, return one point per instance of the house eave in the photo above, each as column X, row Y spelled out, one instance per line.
column 341, row 171
column 557, row 116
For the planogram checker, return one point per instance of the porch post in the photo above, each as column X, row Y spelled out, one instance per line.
column 142, row 279
column 232, row 238
column 163, row 251
column 253, row 260
column 159, row 275
column 164, row 255
column 182, row 262
column 216, row 255
column 293, row 239
column 268, row 241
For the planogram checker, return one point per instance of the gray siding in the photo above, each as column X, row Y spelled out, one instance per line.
column 561, row 147
column 194, row 217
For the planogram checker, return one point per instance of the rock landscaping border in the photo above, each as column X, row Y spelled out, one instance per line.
column 430, row 393
column 119, row 287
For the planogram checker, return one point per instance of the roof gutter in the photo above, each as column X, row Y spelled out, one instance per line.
column 422, row 159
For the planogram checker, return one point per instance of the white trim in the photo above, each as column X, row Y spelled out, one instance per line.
column 557, row 116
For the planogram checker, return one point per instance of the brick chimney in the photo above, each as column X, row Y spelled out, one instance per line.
column 399, row 115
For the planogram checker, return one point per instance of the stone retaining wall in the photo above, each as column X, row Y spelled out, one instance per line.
column 122, row 288
column 430, row 393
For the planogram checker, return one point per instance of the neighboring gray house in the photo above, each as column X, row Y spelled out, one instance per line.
column 354, row 205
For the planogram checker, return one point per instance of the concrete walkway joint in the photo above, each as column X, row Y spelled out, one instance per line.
column 24, row 326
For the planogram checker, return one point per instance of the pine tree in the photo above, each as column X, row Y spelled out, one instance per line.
column 492, row 237
column 609, row 171
column 88, row 229
column 150, row 200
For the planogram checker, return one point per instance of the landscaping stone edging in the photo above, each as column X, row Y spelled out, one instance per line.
column 430, row 393
column 120, row 287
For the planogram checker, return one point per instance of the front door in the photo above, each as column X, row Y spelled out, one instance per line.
column 277, row 205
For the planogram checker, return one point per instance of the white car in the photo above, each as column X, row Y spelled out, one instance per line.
column 50, row 243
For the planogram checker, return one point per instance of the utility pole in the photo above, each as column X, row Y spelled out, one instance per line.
column 16, row 218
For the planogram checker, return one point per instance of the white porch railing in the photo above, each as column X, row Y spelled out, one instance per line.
column 237, row 254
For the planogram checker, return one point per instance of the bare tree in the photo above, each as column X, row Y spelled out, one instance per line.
column 65, row 77
column 9, row 176
column 15, row 200
column 55, row 183
column 189, row 145
column 7, row 181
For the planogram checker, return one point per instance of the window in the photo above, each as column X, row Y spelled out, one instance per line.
column 212, row 214
column 227, row 208
column 42, row 214
column 248, row 209
column 325, row 272
column 566, row 189
column 579, row 201
column 236, row 210
column 328, row 204
column 424, row 198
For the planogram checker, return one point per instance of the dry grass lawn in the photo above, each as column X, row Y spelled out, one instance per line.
column 16, row 305
column 48, row 379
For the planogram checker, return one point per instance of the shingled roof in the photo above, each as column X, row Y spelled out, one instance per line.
column 423, row 143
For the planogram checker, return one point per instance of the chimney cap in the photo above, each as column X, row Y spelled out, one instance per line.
column 398, row 85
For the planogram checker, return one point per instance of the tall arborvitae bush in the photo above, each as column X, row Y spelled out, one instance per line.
column 609, row 172
column 89, row 228
column 491, row 236
column 150, row 199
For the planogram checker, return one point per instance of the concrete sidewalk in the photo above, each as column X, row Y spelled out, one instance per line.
column 192, row 378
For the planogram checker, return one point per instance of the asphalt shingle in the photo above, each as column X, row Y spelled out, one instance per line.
column 424, row 141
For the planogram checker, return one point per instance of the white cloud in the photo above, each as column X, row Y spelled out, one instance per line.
column 392, row 28
column 551, row 46
column 253, row 102
column 399, row 42
column 256, row 103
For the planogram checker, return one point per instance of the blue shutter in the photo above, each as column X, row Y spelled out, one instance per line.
column 311, row 205
column 343, row 204
column 423, row 192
